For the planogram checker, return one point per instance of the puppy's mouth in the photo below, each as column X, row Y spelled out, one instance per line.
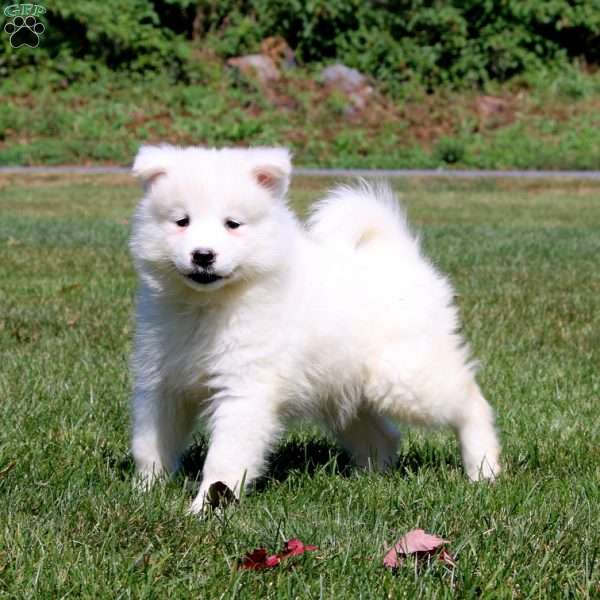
column 204, row 277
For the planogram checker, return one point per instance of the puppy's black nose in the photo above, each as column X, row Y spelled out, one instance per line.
column 203, row 257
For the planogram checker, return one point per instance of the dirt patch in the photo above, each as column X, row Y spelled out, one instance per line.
column 29, row 180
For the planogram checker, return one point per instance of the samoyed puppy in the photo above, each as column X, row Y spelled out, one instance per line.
column 248, row 318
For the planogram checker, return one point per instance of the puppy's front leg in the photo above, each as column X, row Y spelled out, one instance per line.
column 160, row 430
column 243, row 431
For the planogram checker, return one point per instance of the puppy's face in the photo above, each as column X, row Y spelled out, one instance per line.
column 209, row 217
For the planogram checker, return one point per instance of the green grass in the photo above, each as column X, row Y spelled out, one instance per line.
column 543, row 124
column 524, row 259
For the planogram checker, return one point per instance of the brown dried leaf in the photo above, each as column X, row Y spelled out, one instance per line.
column 416, row 542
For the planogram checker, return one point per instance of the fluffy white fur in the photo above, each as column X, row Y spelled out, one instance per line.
column 343, row 321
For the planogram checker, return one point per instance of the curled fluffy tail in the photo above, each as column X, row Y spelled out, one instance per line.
column 362, row 216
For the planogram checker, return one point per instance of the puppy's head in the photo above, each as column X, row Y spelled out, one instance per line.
column 210, row 218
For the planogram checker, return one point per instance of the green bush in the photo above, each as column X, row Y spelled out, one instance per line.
column 431, row 42
column 461, row 42
column 83, row 38
column 450, row 150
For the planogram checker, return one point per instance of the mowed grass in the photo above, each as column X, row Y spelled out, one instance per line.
column 525, row 260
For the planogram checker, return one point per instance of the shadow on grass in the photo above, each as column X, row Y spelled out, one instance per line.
column 292, row 456
column 307, row 457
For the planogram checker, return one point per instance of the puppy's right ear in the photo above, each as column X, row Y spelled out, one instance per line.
column 153, row 161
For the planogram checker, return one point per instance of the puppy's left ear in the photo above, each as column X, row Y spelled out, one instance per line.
column 272, row 169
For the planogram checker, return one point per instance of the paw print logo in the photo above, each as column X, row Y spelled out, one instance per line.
column 24, row 31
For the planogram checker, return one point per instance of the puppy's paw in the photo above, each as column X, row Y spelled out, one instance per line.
column 211, row 497
column 488, row 470
column 144, row 479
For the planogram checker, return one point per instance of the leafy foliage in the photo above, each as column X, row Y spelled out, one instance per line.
column 86, row 37
column 459, row 42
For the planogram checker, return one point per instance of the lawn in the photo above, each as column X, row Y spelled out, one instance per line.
column 524, row 259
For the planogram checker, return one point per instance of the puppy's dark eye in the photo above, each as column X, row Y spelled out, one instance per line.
column 183, row 222
column 231, row 224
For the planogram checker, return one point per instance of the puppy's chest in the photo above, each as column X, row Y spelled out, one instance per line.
column 203, row 358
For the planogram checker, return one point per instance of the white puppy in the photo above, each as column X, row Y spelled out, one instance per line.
column 247, row 318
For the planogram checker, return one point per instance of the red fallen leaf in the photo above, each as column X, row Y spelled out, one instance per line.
column 416, row 542
column 295, row 547
column 446, row 558
column 259, row 559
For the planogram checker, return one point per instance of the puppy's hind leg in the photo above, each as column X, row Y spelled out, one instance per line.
column 453, row 401
column 372, row 439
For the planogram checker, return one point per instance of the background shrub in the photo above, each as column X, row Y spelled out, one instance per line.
column 433, row 42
